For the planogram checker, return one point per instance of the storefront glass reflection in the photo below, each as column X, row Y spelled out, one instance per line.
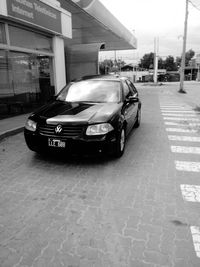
column 25, row 82
column 2, row 34
column 27, row 39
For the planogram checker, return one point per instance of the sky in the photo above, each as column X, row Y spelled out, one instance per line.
column 163, row 19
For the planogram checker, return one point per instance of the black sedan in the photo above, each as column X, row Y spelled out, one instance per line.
column 95, row 114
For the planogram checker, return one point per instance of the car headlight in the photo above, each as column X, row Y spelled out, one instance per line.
column 99, row 129
column 31, row 125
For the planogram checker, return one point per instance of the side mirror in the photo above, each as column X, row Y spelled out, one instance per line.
column 133, row 99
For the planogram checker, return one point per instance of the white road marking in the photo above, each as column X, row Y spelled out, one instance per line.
column 187, row 166
column 185, row 149
column 196, row 239
column 183, row 138
column 181, row 130
column 190, row 192
column 180, row 119
column 174, row 106
column 179, row 114
column 182, row 123
column 180, row 111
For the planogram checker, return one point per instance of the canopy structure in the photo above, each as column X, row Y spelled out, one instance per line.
column 94, row 28
column 93, row 23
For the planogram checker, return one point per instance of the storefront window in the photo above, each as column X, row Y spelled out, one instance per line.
column 25, row 82
column 31, row 40
column 25, row 75
column 2, row 34
column 5, row 73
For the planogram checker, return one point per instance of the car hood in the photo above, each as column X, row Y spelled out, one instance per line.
column 64, row 112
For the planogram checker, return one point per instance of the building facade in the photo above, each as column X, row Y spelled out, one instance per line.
column 45, row 44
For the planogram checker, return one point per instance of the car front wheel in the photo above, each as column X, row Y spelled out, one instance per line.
column 120, row 143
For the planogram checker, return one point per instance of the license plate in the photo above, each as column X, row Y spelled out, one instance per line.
column 56, row 143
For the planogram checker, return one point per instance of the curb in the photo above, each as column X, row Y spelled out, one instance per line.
column 11, row 132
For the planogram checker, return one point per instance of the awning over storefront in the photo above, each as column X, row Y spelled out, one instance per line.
column 93, row 23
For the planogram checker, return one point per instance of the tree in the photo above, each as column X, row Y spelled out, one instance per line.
column 147, row 61
column 170, row 64
column 105, row 66
column 119, row 63
column 161, row 63
column 178, row 62
column 188, row 55
column 108, row 65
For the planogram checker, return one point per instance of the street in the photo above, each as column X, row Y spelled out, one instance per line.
column 140, row 210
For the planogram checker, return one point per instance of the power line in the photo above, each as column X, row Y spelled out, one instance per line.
column 195, row 6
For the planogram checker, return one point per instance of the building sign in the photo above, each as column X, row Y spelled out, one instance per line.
column 36, row 12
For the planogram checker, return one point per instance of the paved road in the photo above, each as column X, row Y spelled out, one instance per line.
column 140, row 210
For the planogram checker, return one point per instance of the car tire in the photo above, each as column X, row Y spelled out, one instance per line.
column 120, row 143
column 138, row 118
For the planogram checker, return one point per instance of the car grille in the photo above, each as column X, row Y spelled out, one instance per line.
column 67, row 130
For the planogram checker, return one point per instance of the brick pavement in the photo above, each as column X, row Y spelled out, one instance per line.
column 97, row 211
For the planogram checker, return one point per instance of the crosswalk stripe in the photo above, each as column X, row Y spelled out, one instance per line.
column 179, row 114
column 175, row 107
column 185, row 124
column 187, row 166
column 181, row 130
column 180, row 111
column 180, row 119
column 183, row 138
column 190, row 192
column 196, row 239
column 185, row 149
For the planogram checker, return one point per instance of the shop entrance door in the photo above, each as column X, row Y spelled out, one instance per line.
column 45, row 78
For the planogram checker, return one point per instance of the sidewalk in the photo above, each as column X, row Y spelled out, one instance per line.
column 15, row 124
column 12, row 125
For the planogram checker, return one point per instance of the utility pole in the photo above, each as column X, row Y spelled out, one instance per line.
column 182, row 74
column 155, row 74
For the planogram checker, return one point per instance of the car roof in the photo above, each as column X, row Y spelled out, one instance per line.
column 114, row 77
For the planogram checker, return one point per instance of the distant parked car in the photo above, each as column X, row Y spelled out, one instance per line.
column 92, row 114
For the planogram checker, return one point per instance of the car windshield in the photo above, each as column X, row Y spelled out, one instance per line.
column 91, row 91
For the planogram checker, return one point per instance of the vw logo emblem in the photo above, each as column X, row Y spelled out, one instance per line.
column 58, row 129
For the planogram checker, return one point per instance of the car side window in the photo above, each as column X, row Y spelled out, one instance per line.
column 127, row 91
column 132, row 87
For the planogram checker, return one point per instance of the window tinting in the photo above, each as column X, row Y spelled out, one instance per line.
column 126, row 89
column 132, row 87
column 31, row 40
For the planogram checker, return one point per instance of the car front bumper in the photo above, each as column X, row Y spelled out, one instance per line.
column 80, row 145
